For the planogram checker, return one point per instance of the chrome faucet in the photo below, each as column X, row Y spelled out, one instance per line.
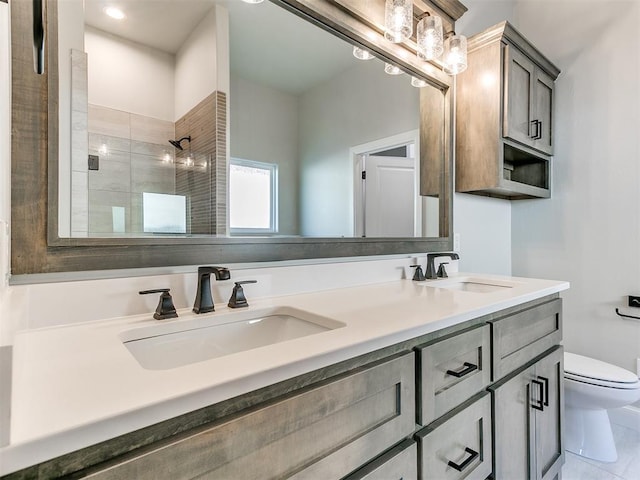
column 431, row 268
column 204, row 300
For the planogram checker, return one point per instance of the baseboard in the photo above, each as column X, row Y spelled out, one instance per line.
column 626, row 416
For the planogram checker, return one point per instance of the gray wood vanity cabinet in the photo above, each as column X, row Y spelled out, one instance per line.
column 528, row 396
column 504, row 106
column 480, row 398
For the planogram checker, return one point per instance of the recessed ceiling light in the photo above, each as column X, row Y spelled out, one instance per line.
column 114, row 12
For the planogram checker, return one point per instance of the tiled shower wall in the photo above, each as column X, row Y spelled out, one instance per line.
column 206, row 188
column 134, row 157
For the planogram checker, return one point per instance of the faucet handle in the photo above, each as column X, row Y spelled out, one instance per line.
column 165, row 308
column 442, row 272
column 238, row 299
column 418, row 275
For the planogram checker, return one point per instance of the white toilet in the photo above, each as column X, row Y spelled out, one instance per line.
column 591, row 388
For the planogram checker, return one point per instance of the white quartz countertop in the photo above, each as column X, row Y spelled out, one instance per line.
column 74, row 386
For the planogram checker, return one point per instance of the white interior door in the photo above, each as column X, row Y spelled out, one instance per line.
column 389, row 197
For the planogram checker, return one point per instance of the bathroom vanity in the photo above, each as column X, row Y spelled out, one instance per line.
column 453, row 378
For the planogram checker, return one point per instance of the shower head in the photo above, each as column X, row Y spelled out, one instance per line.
column 176, row 143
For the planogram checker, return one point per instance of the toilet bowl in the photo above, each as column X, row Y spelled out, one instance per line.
column 591, row 388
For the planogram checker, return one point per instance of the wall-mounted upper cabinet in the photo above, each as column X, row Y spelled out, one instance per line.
column 504, row 106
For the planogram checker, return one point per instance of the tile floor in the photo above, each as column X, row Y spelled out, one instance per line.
column 626, row 468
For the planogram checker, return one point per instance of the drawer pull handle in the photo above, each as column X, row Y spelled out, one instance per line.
column 537, row 126
column 545, row 389
column 469, row 367
column 460, row 467
column 538, row 404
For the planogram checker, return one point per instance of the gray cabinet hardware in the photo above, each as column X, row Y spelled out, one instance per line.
column 472, row 456
column 468, row 368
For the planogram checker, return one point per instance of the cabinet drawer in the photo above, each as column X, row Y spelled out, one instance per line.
column 451, row 370
column 458, row 445
column 519, row 337
column 399, row 463
column 324, row 431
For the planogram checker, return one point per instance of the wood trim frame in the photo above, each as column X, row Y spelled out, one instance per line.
column 36, row 247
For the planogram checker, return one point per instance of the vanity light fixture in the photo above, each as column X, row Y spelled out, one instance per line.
column 418, row 82
column 361, row 53
column 115, row 12
column 431, row 43
column 253, row 2
column 398, row 20
column 430, row 39
column 455, row 54
column 392, row 69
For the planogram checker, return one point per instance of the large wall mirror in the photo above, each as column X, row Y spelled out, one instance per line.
column 216, row 130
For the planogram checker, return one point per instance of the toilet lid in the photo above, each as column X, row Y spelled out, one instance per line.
column 592, row 370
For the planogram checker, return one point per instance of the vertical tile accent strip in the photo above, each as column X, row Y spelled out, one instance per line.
column 221, row 160
column 205, row 187
column 79, row 201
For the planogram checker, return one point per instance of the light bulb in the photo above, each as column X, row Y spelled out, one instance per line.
column 455, row 54
column 418, row 82
column 398, row 20
column 392, row 69
column 430, row 38
column 361, row 53
column 115, row 12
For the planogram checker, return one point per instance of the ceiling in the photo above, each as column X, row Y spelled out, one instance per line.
column 267, row 44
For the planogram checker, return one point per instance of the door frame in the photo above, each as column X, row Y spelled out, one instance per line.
column 357, row 153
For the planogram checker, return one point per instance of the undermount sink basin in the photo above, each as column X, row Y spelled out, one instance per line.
column 472, row 284
column 183, row 342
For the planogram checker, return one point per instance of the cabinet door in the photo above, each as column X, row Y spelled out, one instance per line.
column 528, row 412
column 514, row 422
column 549, row 440
column 519, row 73
column 543, row 111
column 324, row 431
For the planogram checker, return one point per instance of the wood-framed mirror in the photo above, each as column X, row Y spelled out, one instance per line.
column 39, row 247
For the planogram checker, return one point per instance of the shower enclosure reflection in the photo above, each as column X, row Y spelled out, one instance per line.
column 236, row 87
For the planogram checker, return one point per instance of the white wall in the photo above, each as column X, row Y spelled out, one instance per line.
column 483, row 223
column 264, row 128
column 129, row 76
column 196, row 66
column 346, row 111
column 589, row 231
column 5, row 163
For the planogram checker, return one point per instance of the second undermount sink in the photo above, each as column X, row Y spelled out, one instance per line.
column 183, row 342
column 472, row 284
